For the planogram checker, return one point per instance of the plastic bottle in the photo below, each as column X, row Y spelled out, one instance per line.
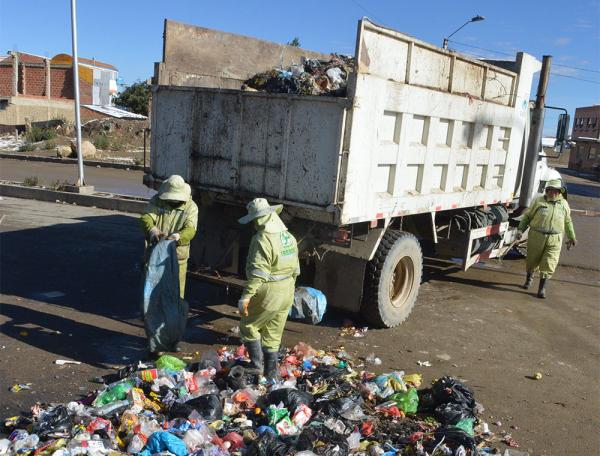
column 112, row 408
column 353, row 440
column 116, row 393
column 136, row 445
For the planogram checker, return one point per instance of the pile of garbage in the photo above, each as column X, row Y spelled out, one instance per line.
column 310, row 77
column 322, row 405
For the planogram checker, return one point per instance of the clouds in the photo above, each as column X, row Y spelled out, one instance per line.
column 562, row 41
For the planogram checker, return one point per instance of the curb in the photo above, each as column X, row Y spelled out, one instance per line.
column 120, row 203
column 71, row 161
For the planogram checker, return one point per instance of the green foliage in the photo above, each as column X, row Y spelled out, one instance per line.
column 58, row 185
column 135, row 98
column 31, row 181
column 294, row 42
column 49, row 145
column 27, row 147
column 101, row 141
column 35, row 134
column 105, row 141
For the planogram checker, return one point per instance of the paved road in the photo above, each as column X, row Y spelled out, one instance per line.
column 108, row 180
column 74, row 270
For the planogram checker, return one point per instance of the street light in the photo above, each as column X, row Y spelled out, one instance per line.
column 477, row 18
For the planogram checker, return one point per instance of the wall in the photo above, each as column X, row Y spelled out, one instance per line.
column 20, row 110
column 587, row 122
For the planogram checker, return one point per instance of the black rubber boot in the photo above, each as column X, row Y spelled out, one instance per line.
column 528, row 280
column 271, row 365
column 256, row 364
column 542, row 290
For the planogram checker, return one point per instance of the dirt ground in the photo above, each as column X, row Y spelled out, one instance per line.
column 70, row 283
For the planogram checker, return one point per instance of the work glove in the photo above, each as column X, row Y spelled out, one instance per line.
column 243, row 306
column 155, row 234
column 571, row 243
column 174, row 237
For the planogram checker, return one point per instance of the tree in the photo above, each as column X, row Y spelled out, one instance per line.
column 295, row 42
column 135, row 98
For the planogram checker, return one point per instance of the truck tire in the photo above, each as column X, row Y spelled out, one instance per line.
column 392, row 280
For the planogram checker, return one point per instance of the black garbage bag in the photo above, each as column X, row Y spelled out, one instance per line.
column 452, row 413
column 290, row 397
column 453, row 437
column 336, row 444
column 349, row 408
column 325, row 372
column 448, row 389
column 56, row 419
column 208, row 405
column 236, row 379
column 267, row 444
column 427, row 402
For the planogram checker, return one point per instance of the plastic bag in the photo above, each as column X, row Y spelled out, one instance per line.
column 466, row 424
column 245, row 398
column 53, row 420
column 349, row 408
column 208, row 405
column 165, row 313
column 196, row 438
column 450, row 414
column 170, row 363
column 408, row 401
column 290, row 397
column 454, row 436
column 448, row 389
column 164, row 441
column 309, row 305
column 236, row 379
column 267, row 444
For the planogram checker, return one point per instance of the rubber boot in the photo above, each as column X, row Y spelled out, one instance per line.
column 256, row 364
column 270, row 365
column 528, row 280
column 542, row 290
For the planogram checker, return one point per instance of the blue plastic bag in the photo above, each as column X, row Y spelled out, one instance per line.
column 165, row 313
column 309, row 305
column 164, row 441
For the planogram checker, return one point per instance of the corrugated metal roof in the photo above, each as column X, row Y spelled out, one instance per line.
column 115, row 112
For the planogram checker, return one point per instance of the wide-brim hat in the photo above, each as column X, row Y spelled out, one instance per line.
column 257, row 208
column 556, row 184
column 174, row 189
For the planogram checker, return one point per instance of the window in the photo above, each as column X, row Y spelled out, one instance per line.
column 592, row 153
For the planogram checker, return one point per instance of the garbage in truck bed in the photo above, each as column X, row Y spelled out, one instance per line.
column 309, row 77
column 323, row 404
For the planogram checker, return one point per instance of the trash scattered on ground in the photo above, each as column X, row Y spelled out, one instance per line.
column 19, row 387
column 424, row 363
column 349, row 330
column 309, row 77
column 536, row 376
column 62, row 362
column 320, row 405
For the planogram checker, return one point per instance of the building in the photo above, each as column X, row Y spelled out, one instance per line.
column 36, row 89
column 586, row 135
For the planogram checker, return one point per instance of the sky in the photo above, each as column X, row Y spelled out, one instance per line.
column 128, row 33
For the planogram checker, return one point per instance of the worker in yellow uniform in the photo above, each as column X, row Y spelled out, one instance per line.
column 172, row 214
column 547, row 218
column 271, row 270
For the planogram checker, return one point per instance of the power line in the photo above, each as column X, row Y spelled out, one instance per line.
column 575, row 68
column 575, row 77
column 506, row 53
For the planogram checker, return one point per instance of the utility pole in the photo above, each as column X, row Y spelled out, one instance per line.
column 535, row 135
column 80, row 187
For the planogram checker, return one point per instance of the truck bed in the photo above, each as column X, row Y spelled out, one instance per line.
column 422, row 130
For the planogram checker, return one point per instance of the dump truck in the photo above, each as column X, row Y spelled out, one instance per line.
column 427, row 154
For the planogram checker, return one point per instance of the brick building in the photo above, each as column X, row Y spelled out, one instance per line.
column 585, row 156
column 38, row 89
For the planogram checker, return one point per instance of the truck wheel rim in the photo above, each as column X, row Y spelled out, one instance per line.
column 402, row 281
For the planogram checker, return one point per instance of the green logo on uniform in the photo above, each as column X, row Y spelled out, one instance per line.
column 287, row 244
